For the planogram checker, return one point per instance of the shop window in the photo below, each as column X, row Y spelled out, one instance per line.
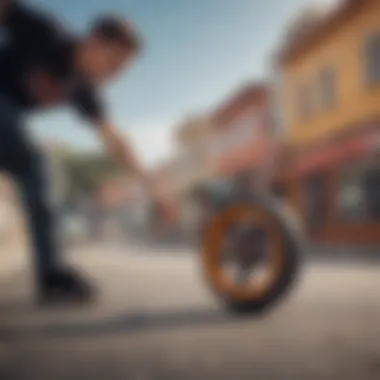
column 359, row 195
column 316, row 201
column 372, row 59
column 372, row 193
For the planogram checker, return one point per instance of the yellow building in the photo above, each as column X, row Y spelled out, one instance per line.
column 331, row 114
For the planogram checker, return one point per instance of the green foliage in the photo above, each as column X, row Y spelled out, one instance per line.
column 84, row 172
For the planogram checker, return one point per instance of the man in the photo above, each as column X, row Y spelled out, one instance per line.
column 41, row 65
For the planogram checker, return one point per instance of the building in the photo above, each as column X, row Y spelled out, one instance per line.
column 331, row 116
column 243, row 140
column 192, row 142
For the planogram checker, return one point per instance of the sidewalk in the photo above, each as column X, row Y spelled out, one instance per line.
column 344, row 252
column 11, row 261
column 314, row 252
column 171, row 242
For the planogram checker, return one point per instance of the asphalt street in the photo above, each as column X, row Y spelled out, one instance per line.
column 156, row 319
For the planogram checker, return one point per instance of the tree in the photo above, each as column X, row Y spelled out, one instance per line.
column 85, row 172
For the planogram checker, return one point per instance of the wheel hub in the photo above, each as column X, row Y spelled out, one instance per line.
column 247, row 246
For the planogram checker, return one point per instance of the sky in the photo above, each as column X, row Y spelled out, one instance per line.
column 196, row 52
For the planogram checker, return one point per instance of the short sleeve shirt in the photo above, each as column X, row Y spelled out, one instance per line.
column 32, row 39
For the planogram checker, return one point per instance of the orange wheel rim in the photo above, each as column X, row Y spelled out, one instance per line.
column 213, row 251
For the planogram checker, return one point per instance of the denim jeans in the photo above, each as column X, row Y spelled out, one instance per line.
column 21, row 158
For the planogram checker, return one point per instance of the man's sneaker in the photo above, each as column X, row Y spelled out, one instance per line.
column 65, row 286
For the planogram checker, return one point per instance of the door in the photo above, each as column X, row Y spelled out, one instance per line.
column 316, row 202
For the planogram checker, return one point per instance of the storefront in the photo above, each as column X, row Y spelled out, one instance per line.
column 336, row 186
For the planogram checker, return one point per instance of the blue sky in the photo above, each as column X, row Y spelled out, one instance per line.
column 196, row 53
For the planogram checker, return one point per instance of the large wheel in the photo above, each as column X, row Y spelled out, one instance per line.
column 251, row 254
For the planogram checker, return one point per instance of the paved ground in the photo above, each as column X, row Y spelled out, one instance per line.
column 156, row 320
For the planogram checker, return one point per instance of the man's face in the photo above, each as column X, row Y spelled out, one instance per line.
column 104, row 60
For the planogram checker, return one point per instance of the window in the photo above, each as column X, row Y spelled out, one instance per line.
column 185, row 164
column 372, row 59
column 327, row 87
column 247, row 125
column 351, row 198
column 372, row 193
column 359, row 195
column 316, row 201
column 216, row 145
column 241, row 131
column 305, row 101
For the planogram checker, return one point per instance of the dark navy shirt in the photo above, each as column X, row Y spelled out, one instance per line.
column 31, row 40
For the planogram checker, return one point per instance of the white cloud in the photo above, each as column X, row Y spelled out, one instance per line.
column 152, row 142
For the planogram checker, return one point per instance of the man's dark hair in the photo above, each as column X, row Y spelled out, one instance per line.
column 118, row 30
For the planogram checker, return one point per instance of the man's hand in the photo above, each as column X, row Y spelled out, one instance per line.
column 119, row 147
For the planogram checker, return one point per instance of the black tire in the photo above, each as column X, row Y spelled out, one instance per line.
column 292, row 238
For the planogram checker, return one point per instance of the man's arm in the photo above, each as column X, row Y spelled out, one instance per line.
column 120, row 148
column 87, row 102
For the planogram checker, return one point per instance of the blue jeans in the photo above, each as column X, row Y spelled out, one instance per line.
column 20, row 158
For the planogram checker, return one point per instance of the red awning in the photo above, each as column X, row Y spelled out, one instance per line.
column 333, row 153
